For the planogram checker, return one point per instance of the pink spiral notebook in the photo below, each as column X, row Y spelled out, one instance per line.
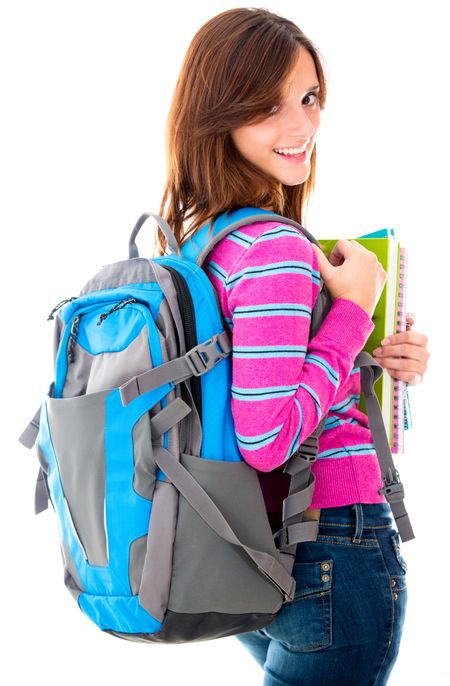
column 401, row 412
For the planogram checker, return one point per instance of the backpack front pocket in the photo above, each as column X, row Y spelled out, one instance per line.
column 91, row 445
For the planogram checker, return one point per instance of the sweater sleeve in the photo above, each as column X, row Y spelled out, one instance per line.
column 282, row 384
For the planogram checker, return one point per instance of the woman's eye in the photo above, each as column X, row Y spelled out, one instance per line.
column 276, row 108
column 315, row 95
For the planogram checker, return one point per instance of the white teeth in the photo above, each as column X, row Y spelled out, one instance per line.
column 290, row 151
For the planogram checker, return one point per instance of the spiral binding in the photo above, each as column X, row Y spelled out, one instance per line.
column 401, row 413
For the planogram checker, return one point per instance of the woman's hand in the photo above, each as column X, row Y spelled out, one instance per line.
column 405, row 354
column 353, row 273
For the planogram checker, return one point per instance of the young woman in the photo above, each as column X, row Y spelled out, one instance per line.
column 242, row 132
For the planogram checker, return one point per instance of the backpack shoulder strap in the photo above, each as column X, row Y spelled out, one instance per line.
column 393, row 488
column 200, row 245
column 295, row 529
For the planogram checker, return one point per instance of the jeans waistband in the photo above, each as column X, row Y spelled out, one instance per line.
column 359, row 516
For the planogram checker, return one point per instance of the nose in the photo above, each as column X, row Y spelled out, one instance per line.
column 300, row 123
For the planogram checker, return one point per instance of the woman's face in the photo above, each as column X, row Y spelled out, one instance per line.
column 270, row 143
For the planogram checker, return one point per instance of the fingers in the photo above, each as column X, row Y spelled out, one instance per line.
column 404, row 361
column 322, row 260
column 411, row 337
column 320, row 254
column 404, row 369
column 341, row 251
column 402, row 351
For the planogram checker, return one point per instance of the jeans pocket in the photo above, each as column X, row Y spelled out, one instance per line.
column 396, row 568
column 304, row 625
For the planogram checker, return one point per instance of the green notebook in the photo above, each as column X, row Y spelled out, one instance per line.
column 387, row 249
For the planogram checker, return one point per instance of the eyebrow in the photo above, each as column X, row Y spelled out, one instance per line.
column 316, row 87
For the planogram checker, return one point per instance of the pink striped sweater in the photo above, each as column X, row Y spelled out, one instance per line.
column 267, row 279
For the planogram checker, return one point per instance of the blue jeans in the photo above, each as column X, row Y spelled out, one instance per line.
column 345, row 624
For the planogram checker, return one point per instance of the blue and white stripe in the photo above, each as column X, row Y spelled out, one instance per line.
column 348, row 402
column 218, row 271
column 272, row 310
column 271, row 269
column 259, row 441
column 266, row 393
column 361, row 449
column 314, row 396
column 333, row 422
column 262, row 352
column 331, row 373
column 295, row 441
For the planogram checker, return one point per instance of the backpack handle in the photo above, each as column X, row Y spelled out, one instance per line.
column 165, row 228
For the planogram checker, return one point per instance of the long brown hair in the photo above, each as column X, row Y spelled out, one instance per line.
column 233, row 73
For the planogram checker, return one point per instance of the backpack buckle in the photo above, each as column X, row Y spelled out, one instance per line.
column 204, row 356
column 308, row 449
column 393, row 488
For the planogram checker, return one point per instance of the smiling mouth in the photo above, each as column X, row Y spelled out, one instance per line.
column 300, row 156
column 291, row 150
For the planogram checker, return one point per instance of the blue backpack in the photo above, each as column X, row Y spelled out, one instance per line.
column 163, row 527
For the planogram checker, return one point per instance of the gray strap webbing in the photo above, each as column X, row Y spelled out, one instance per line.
column 29, row 436
column 299, row 498
column 306, row 530
column 393, row 488
column 298, row 502
column 165, row 228
column 179, row 369
column 266, row 217
column 166, row 418
column 295, row 528
column 210, row 513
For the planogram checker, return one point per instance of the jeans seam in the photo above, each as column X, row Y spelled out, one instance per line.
column 351, row 544
column 376, row 526
column 392, row 617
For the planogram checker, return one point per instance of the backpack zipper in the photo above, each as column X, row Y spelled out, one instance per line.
column 117, row 306
column 72, row 339
column 187, row 312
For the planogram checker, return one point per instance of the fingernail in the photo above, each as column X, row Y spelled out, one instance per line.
column 385, row 341
column 377, row 351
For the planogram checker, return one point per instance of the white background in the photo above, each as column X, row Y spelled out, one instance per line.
column 85, row 90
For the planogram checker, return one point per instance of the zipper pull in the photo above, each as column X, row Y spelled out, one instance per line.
column 63, row 302
column 117, row 306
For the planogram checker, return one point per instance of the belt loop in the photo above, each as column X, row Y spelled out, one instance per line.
column 359, row 523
